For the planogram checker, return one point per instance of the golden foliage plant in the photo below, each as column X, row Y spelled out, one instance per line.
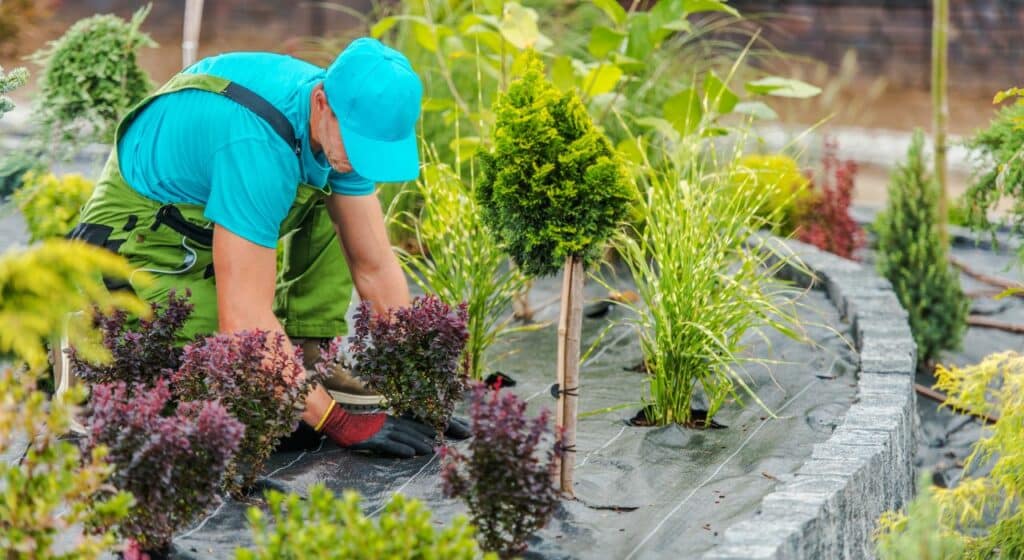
column 984, row 510
column 51, row 204
column 778, row 181
column 41, row 288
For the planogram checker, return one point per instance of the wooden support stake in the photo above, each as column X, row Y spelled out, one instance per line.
column 190, row 35
column 570, row 323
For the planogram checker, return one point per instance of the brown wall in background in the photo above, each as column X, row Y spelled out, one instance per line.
column 893, row 37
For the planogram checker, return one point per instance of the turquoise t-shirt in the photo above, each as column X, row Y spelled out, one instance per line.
column 197, row 147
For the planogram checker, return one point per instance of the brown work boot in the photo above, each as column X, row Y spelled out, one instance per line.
column 346, row 388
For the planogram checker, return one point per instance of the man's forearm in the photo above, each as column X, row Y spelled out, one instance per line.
column 386, row 287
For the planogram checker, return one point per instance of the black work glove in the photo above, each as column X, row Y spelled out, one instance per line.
column 457, row 428
column 379, row 433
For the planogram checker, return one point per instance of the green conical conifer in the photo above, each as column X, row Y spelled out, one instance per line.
column 914, row 258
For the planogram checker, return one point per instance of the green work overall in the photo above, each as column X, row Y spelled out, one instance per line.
column 173, row 242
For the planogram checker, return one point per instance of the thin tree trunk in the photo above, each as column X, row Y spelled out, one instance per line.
column 190, row 35
column 940, row 102
column 570, row 324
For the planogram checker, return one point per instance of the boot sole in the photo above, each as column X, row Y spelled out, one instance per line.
column 375, row 401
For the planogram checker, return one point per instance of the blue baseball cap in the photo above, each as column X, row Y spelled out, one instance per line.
column 376, row 96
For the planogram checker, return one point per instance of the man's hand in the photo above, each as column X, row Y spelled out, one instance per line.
column 378, row 432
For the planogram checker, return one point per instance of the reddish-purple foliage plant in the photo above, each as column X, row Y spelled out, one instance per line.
column 171, row 462
column 141, row 353
column 505, row 480
column 259, row 381
column 827, row 223
column 414, row 356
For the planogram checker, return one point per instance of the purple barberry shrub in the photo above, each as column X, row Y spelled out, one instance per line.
column 172, row 462
column 141, row 351
column 261, row 383
column 413, row 356
column 505, row 478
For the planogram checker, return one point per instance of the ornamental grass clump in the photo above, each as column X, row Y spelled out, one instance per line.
column 260, row 383
column 505, row 477
column 704, row 283
column 325, row 526
column 52, row 491
column 171, row 462
column 460, row 260
column 91, row 77
column 414, row 356
column 51, row 204
column 914, row 257
column 983, row 514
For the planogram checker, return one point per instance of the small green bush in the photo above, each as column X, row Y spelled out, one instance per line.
column 323, row 526
column 789, row 194
column 913, row 256
column 983, row 513
column 51, row 491
column 998, row 170
column 51, row 204
column 91, row 77
column 552, row 186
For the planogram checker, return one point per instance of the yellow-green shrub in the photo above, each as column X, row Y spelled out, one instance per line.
column 325, row 526
column 788, row 189
column 51, row 204
column 983, row 514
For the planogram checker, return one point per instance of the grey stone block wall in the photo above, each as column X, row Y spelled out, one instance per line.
column 829, row 507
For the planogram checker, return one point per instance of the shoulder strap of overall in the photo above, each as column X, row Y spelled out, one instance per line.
column 233, row 91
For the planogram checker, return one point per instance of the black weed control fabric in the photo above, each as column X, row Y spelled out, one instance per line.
column 642, row 492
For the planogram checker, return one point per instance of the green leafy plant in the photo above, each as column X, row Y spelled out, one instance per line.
column 325, row 526
column 15, row 78
column 983, row 513
column 91, row 77
column 780, row 175
column 172, row 462
column 998, row 157
column 448, row 227
column 702, row 286
column 553, row 187
column 504, row 477
column 51, row 204
column 918, row 534
column 913, row 256
column 414, row 356
column 52, row 491
column 259, row 382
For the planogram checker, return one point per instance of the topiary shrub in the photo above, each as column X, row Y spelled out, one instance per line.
column 171, row 462
column 827, row 224
column 913, row 256
column 323, row 526
column 139, row 353
column 504, row 478
column 91, row 77
column 414, row 356
column 261, row 383
column 788, row 190
column 51, row 491
column 51, row 204
column 552, row 187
